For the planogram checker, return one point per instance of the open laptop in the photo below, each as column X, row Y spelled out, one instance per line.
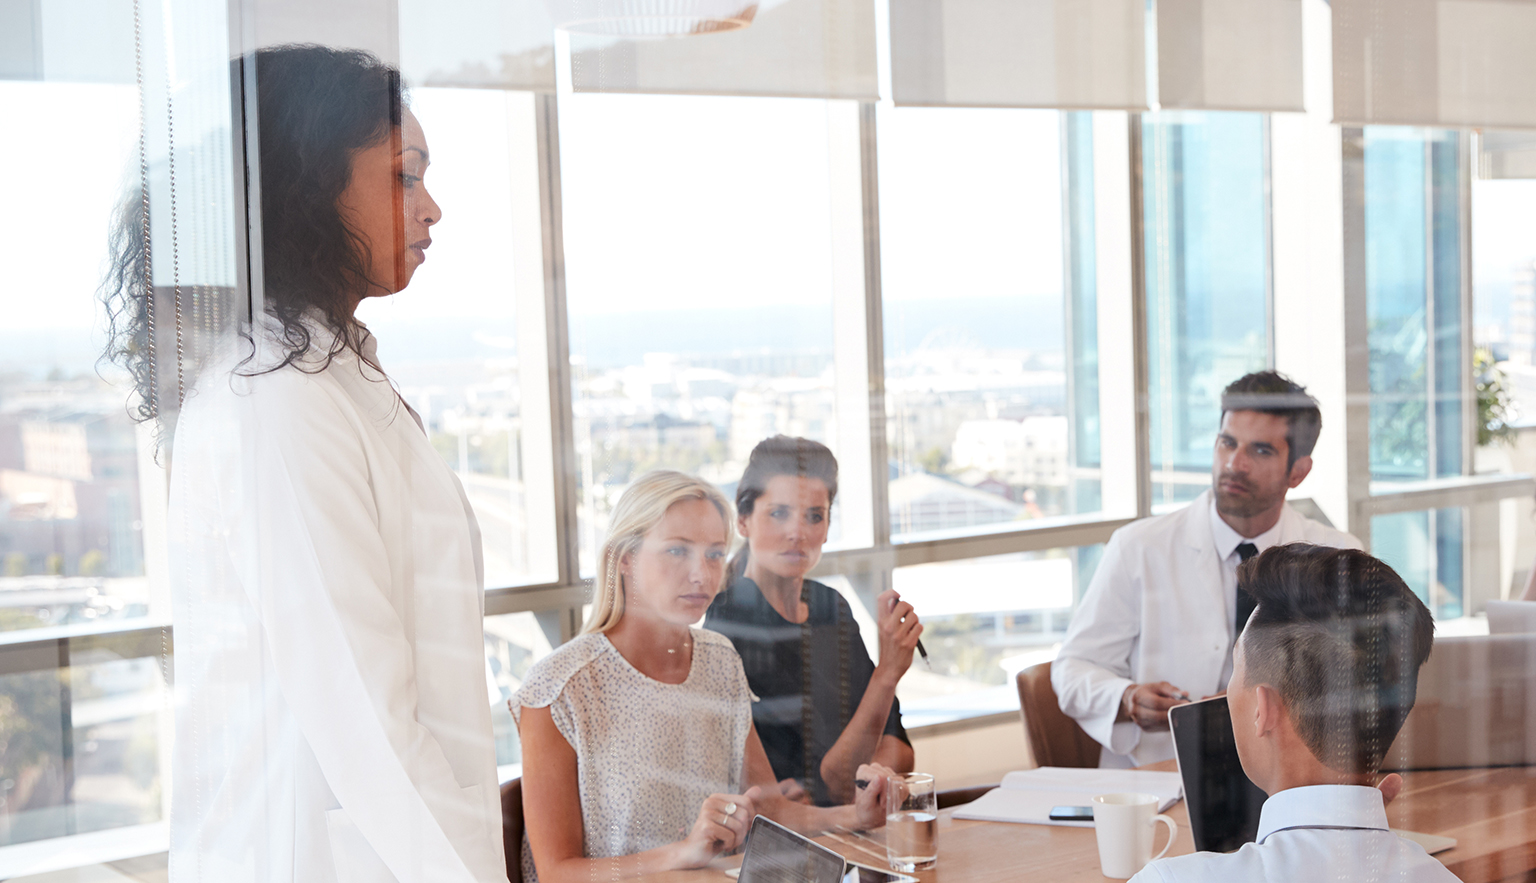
column 775, row 854
column 1511, row 617
column 1223, row 802
column 1475, row 706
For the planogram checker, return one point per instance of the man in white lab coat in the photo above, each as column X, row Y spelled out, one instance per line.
column 1157, row 624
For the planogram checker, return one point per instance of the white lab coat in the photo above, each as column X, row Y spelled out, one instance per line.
column 1156, row 610
column 331, row 713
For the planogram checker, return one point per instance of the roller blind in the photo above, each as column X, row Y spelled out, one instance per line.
column 1507, row 155
column 795, row 48
column 1434, row 62
column 1019, row 53
column 1229, row 54
column 488, row 44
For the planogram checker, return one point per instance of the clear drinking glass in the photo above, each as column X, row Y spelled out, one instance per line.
column 911, row 822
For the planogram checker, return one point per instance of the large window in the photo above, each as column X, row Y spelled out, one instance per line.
column 698, row 250
column 976, row 355
column 450, row 341
column 1207, row 280
column 71, row 516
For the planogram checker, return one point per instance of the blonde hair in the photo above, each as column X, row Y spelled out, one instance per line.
column 643, row 505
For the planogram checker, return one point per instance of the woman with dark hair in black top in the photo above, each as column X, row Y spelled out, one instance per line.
column 824, row 706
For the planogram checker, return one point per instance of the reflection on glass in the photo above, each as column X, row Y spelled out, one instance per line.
column 985, row 620
column 79, row 744
column 1426, row 549
column 71, row 525
column 1207, row 277
column 450, row 341
column 513, row 643
column 697, row 244
column 1413, row 280
column 976, row 349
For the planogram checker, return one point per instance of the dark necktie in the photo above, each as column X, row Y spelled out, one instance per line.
column 1245, row 601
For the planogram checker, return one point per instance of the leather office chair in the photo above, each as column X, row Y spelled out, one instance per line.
column 957, row 796
column 512, row 828
column 1054, row 738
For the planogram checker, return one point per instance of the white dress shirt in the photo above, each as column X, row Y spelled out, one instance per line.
column 1161, row 607
column 1318, row 832
column 332, row 723
column 1227, row 541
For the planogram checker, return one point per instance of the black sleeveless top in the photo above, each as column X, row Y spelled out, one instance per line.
column 823, row 659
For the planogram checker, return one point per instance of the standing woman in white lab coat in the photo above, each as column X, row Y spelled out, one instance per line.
column 332, row 721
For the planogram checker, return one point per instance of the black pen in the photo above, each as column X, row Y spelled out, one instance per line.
column 924, row 651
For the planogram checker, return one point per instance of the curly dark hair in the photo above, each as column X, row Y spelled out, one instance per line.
column 315, row 108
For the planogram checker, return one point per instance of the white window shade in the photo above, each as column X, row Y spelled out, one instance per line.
column 795, row 49
column 1507, row 155
column 1434, row 62
column 1019, row 53
column 1229, row 54
column 486, row 44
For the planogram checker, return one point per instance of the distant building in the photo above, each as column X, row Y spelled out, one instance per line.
column 1522, row 316
column 922, row 502
column 1031, row 451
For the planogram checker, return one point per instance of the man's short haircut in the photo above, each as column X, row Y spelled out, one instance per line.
column 1270, row 392
column 1341, row 637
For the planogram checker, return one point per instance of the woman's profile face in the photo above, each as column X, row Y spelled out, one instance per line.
column 677, row 570
column 788, row 525
column 387, row 203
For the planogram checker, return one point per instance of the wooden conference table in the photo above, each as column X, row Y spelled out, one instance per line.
column 1490, row 812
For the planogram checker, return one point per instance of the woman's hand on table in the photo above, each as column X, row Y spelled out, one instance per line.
column 721, row 826
column 792, row 790
column 869, row 795
column 899, row 630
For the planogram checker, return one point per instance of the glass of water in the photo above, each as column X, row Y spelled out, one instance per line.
column 911, row 822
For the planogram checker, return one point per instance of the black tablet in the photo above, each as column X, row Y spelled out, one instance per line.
column 776, row 854
column 1223, row 802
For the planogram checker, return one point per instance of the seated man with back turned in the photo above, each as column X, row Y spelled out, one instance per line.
column 1325, row 675
column 1157, row 623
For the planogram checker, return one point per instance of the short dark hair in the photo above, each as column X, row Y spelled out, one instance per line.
column 1270, row 392
column 1341, row 637
column 781, row 455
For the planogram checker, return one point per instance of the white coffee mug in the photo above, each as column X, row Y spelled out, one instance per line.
column 1124, row 824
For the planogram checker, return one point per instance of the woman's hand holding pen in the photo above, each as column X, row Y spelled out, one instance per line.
column 899, row 633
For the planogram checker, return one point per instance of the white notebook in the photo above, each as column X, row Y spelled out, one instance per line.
column 1028, row 795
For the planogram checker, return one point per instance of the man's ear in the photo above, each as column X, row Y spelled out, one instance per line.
column 1300, row 470
column 1268, row 709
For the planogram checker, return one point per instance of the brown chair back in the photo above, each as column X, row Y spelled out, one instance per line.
column 512, row 828
column 1054, row 738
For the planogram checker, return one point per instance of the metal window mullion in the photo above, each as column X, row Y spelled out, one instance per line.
column 1139, row 343
column 1464, row 162
column 1464, row 168
column 558, row 354
column 1357, row 354
column 874, row 329
column 1267, row 143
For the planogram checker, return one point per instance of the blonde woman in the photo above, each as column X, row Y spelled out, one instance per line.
column 639, row 753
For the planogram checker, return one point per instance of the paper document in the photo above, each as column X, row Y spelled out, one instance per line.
column 1028, row 795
